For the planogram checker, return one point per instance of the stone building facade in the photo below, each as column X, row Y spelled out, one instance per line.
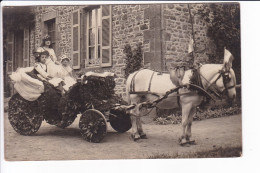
column 94, row 37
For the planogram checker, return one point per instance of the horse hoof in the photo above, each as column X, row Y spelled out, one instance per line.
column 143, row 136
column 184, row 142
column 135, row 137
column 192, row 141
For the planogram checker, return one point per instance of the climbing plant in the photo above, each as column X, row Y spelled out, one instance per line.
column 134, row 58
column 223, row 21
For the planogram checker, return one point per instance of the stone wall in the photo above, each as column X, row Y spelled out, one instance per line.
column 163, row 29
column 62, row 14
column 128, row 26
column 177, row 32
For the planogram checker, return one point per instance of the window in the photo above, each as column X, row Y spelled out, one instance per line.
column 50, row 30
column 91, row 37
column 93, row 40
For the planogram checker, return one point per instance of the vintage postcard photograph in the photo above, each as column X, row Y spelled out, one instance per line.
column 122, row 81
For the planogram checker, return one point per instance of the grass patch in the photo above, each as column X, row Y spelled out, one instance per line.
column 215, row 153
column 174, row 117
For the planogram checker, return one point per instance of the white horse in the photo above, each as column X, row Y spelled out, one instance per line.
column 138, row 83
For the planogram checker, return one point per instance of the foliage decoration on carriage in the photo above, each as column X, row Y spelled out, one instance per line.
column 92, row 96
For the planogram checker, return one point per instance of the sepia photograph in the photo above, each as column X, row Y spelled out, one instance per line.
column 122, row 81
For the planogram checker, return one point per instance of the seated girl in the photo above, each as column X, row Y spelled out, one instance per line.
column 41, row 70
column 29, row 81
column 66, row 72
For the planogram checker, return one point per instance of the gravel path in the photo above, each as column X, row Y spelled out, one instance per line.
column 52, row 143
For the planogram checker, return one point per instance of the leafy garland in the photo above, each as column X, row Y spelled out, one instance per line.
column 134, row 58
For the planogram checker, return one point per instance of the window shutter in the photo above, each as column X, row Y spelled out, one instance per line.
column 10, row 52
column 76, row 39
column 106, row 53
column 26, row 48
column 83, row 38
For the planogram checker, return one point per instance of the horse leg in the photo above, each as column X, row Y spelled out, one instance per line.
column 140, row 128
column 135, row 135
column 190, row 119
column 186, row 108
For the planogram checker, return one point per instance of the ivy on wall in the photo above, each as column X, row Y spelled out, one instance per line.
column 134, row 58
column 223, row 21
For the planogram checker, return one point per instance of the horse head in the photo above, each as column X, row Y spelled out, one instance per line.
column 225, row 78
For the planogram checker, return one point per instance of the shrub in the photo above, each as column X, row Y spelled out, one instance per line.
column 214, row 112
column 134, row 59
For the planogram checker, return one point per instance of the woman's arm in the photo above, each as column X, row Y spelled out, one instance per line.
column 39, row 69
column 53, row 55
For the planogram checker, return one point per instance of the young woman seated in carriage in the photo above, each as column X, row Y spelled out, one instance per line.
column 66, row 72
column 41, row 70
column 29, row 81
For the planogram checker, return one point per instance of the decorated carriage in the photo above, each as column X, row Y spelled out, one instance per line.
column 92, row 97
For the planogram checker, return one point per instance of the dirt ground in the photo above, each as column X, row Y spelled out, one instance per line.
column 53, row 143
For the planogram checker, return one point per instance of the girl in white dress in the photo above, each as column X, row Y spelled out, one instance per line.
column 28, row 82
column 67, row 72
column 53, row 65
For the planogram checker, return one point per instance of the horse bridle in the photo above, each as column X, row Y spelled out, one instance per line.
column 226, row 79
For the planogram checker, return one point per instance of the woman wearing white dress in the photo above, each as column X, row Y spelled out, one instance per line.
column 53, row 66
column 66, row 73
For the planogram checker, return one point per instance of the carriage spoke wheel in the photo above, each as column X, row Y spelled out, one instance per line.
column 24, row 115
column 120, row 120
column 93, row 125
column 68, row 112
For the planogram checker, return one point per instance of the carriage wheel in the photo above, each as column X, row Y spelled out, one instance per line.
column 93, row 125
column 120, row 121
column 68, row 110
column 24, row 115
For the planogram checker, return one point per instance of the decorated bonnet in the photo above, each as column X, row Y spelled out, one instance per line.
column 64, row 57
column 46, row 38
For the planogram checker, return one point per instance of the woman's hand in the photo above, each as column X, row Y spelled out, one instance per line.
column 49, row 77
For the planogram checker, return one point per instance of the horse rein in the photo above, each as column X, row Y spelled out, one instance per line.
column 226, row 79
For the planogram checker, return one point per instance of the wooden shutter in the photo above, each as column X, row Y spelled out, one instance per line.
column 10, row 52
column 106, row 52
column 76, row 39
column 26, row 43
column 84, row 39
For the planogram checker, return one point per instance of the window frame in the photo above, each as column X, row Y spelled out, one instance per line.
column 47, row 23
column 96, row 37
column 86, row 44
column 78, row 51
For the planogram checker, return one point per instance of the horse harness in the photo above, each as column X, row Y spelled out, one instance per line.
column 198, row 86
column 132, row 90
column 226, row 78
column 132, row 86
